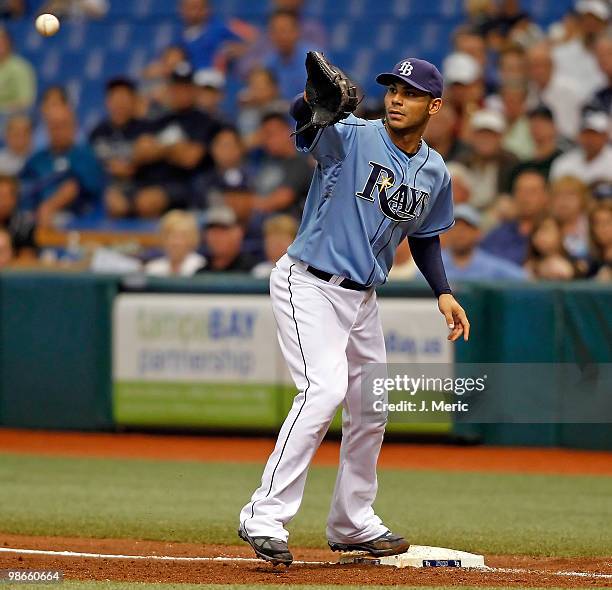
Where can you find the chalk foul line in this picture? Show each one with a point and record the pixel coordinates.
(486, 569)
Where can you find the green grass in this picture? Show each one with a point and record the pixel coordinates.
(73, 585)
(199, 502)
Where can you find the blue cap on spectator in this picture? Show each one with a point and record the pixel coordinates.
(467, 213)
(417, 73)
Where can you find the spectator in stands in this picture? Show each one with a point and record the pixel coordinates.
(463, 182)
(591, 161)
(286, 56)
(174, 152)
(19, 224)
(155, 78)
(510, 239)
(17, 145)
(517, 138)
(467, 39)
(7, 254)
(224, 237)
(229, 176)
(547, 257)
(440, 135)
(77, 8)
(464, 260)
(210, 84)
(259, 97)
(279, 231)
(313, 32)
(600, 224)
(464, 88)
(603, 52)
(491, 166)
(560, 94)
(12, 8)
(479, 12)
(180, 237)
(113, 142)
(283, 177)
(205, 35)
(555, 268)
(575, 58)
(565, 29)
(570, 204)
(523, 31)
(512, 66)
(17, 78)
(53, 98)
(64, 177)
(546, 141)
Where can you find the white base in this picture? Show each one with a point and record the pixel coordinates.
(419, 556)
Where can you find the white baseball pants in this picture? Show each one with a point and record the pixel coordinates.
(326, 333)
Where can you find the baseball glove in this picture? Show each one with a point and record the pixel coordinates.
(330, 93)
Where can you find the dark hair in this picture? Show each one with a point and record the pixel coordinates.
(530, 170)
(120, 82)
(4, 31)
(292, 14)
(227, 129)
(275, 115)
(533, 254)
(542, 111)
(266, 72)
(595, 249)
(465, 30)
(12, 180)
(55, 88)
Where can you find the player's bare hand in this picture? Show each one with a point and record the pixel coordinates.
(456, 318)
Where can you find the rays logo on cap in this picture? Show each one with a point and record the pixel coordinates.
(405, 68)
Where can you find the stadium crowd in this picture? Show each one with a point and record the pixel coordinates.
(525, 131)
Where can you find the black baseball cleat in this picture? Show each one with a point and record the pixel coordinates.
(270, 549)
(386, 544)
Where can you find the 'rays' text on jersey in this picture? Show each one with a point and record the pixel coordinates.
(402, 204)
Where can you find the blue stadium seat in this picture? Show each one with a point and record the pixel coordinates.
(365, 37)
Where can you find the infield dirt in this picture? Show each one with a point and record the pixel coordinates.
(528, 571)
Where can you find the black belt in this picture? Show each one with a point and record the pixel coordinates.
(326, 276)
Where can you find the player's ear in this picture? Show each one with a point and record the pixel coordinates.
(435, 105)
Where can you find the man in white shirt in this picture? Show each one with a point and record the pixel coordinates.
(575, 59)
(591, 161)
(561, 95)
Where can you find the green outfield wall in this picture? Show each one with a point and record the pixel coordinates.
(80, 351)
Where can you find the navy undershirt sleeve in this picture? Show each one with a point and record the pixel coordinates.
(428, 258)
(301, 112)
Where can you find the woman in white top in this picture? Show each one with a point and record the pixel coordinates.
(180, 237)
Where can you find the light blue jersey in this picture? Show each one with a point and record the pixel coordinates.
(366, 196)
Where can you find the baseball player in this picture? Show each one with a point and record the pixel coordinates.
(376, 183)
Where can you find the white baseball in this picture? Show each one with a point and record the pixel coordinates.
(47, 25)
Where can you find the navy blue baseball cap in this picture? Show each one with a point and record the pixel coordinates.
(417, 73)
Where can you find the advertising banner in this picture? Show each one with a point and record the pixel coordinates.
(214, 361)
